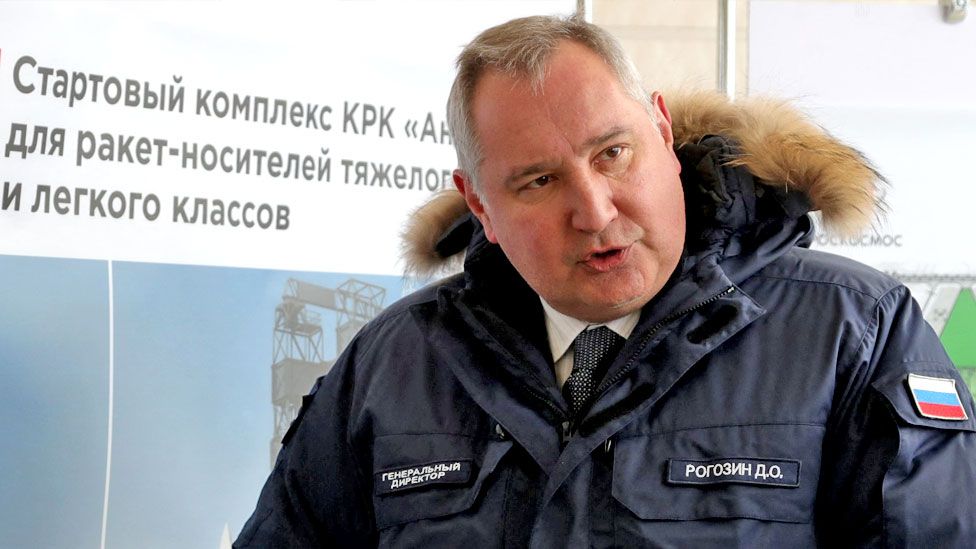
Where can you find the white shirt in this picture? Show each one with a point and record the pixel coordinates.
(563, 329)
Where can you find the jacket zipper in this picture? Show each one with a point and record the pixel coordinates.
(565, 424)
(569, 425)
(607, 383)
(549, 404)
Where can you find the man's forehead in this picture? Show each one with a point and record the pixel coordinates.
(591, 105)
(532, 79)
(565, 86)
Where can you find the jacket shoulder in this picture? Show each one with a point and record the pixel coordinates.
(803, 265)
(399, 310)
(391, 335)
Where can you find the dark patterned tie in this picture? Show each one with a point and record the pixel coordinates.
(593, 350)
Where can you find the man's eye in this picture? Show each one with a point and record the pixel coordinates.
(539, 182)
(613, 152)
(614, 159)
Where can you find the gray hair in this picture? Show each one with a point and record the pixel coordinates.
(521, 48)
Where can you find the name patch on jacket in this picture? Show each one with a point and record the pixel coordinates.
(418, 476)
(766, 472)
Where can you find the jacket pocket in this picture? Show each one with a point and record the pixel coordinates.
(763, 472)
(427, 476)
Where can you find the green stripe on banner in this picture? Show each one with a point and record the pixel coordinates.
(959, 336)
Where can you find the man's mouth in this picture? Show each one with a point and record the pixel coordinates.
(605, 260)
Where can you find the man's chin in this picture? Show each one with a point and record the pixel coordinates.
(603, 310)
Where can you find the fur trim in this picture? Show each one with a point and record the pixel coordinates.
(783, 147)
(425, 226)
(779, 144)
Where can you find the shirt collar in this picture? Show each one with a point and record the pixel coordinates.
(563, 329)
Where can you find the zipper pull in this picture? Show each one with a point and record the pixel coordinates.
(567, 427)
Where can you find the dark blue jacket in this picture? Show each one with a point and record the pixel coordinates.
(762, 401)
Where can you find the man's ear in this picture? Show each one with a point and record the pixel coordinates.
(663, 118)
(466, 187)
(664, 126)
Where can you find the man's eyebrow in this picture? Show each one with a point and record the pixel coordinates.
(612, 133)
(539, 167)
(519, 173)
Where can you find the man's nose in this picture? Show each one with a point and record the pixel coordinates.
(593, 206)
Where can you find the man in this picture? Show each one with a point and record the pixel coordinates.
(640, 351)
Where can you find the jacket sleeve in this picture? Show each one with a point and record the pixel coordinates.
(316, 496)
(892, 477)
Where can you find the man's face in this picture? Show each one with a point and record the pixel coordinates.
(581, 186)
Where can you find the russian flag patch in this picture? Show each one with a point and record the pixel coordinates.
(936, 397)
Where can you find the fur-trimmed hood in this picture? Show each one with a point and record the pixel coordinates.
(779, 146)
